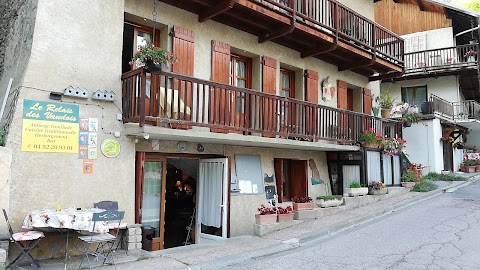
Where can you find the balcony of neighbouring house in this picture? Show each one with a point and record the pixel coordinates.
(467, 112)
(176, 107)
(324, 29)
(458, 60)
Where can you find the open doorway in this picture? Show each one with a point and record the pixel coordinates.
(180, 200)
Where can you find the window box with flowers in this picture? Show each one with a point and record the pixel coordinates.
(393, 146)
(356, 189)
(285, 214)
(266, 215)
(152, 57)
(302, 203)
(329, 201)
(470, 56)
(370, 138)
(377, 188)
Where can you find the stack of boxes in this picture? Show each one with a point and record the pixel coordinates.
(133, 237)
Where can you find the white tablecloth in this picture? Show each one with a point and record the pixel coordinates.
(70, 218)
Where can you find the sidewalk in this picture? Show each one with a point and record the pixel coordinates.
(220, 254)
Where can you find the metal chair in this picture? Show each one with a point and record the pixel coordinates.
(104, 241)
(30, 237)
(106, 205)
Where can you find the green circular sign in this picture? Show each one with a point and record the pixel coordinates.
(110, 148)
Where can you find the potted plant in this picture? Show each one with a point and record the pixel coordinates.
(377, 188)
(370, 138)
(470, 55)
(329, 201)
(266, 215)
(393, 146)
(302, 203)
(469, 165)
(285, 214)
(410, 118)
(386, 102)
(152, 57)
(411, 176)
(356, 189)
(477, 165)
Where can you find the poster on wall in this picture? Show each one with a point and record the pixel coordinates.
(50, 127)
(87, 166)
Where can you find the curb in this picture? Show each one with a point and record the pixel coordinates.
(310, 238)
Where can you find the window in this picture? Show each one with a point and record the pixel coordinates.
(287, 89)
(414, 95)
(240, 76)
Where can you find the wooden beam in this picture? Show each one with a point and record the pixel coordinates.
(317, 51)
(385, 76)
(364, 64)
(218, 9)
(276, 34)
(420, 5)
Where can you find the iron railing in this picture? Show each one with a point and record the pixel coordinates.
(463, 110)
(178, 101)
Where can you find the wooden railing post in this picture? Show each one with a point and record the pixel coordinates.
(142, 93)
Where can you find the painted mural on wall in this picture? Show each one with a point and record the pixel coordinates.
(328, 90)
(50, 127)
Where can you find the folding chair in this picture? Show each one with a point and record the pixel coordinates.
(104, 241)
(106, 205)
(32, 237)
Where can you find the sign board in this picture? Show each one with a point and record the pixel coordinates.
(50, 127)
(110, 148)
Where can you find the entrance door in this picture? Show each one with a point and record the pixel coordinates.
(212, 200)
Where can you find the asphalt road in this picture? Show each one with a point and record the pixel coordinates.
(440, 233)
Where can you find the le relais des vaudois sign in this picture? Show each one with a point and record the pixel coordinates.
(50, 127)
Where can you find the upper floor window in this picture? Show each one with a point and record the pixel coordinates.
(240, 71)
(415, 95)
(287, 83)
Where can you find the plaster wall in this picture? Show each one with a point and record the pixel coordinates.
(364, 7)
(87, 55)
(5, 161)
(437, 38)
(243, 207)
(443, 87)
(424, 145)
(246, 43)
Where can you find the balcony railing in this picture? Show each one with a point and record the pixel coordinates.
(444, 59)
(176, 101)
(336, 19)
(464, 110)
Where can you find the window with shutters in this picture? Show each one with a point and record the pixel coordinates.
(240, 76)
(287, 85)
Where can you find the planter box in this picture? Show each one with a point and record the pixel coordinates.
(329, 203)
(381, 191)
(285, 217)
(354, 192)
(470, 169)
(265, 219)
(477, 168)
(408, 184)
(303, 206)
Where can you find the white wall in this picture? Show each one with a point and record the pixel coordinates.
(424, 145)
(443, 87)
(438, 38)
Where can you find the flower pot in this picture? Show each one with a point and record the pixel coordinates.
(386, 113)
(462, 167)
(152, 67)
(354, 192)
(470, 169)
(303, 206)
(265, 219)
(369, 145)
(285, 217)
(477, 168)
(407, 123)
(407, 184)
(381, 191)
(459, 146)
(329, 203)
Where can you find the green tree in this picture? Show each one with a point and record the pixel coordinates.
(468, 4)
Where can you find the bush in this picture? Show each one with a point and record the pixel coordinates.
(410, 176)
(424, 186)
(433, 176)
(329, 198)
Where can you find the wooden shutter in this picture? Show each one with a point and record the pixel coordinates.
(183, 49)
(367, 108)
(139, 173)
(269, 83)
(278, 166)
(342, 103)
(311, 95)
(219, 103)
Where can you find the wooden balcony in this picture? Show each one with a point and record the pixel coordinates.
(467, 110)
(174, 101)
(324, 29)
(456, 60)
